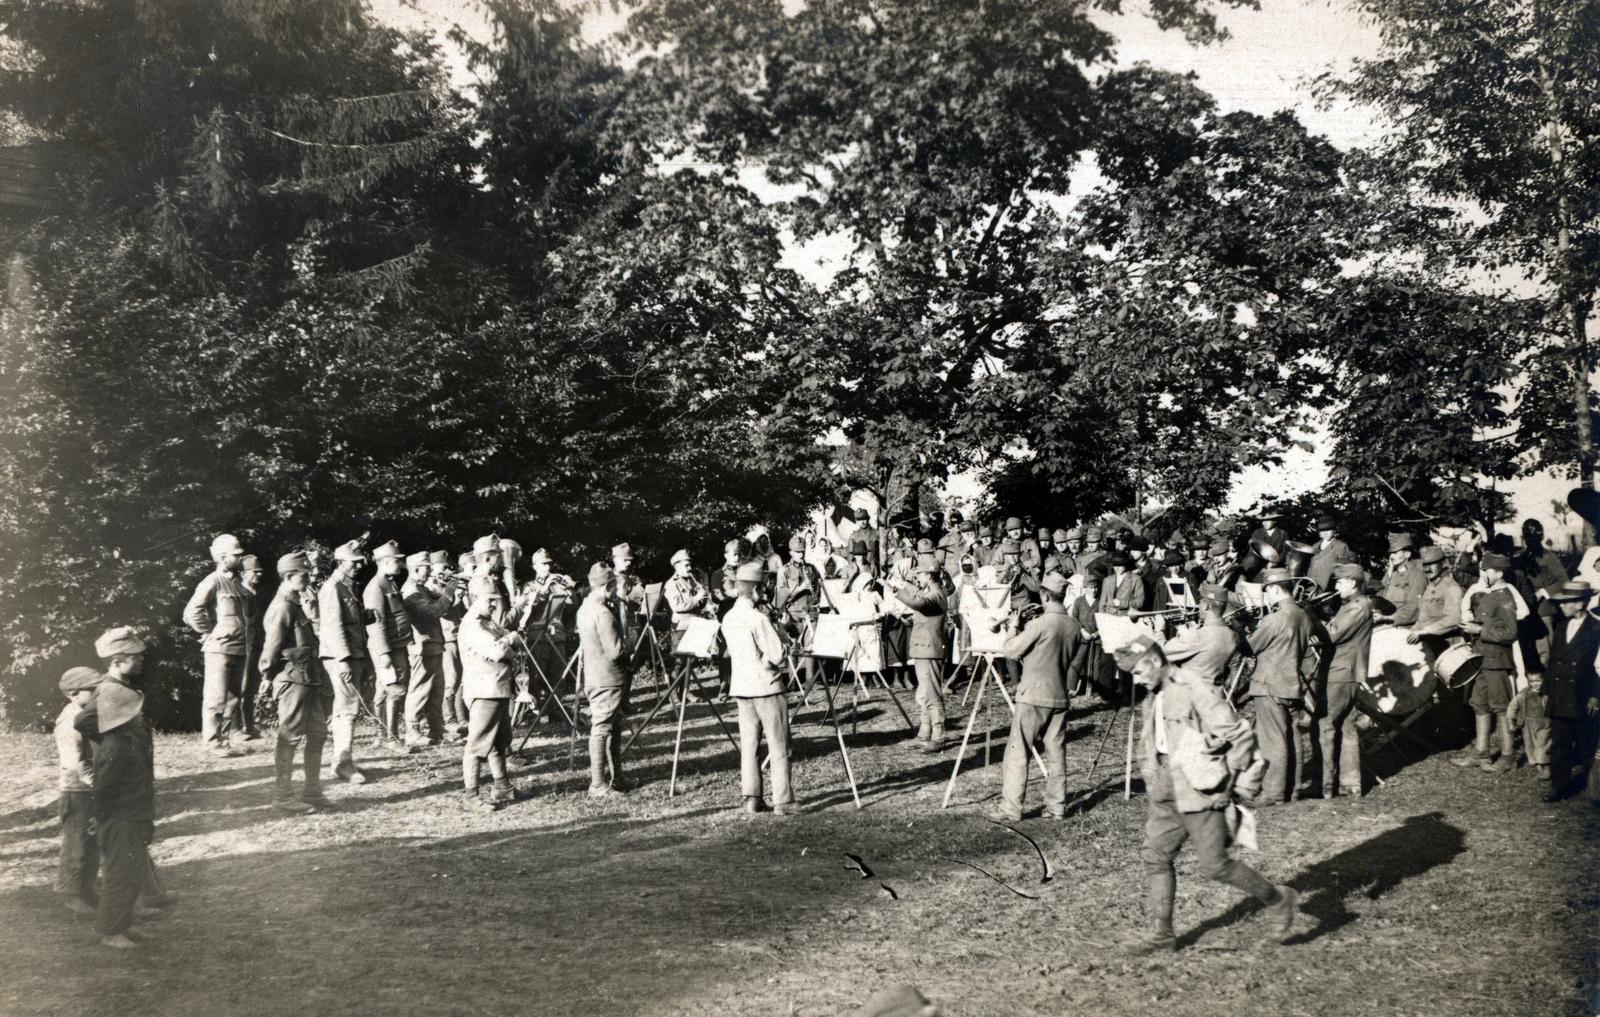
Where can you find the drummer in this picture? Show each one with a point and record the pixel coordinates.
(1439, 611)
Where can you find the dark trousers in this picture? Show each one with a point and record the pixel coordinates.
(1338, 738)
(1567, 744)
(124, 860)
(1276, 736)
(80, 850)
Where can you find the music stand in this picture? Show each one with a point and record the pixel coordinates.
(533, 706)
(988, 675)
(654, 599)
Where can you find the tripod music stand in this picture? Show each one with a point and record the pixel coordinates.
(986, 676)
(552, 694)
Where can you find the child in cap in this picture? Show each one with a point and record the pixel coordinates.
(80, 855)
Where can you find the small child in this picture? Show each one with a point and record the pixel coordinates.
(80, 854)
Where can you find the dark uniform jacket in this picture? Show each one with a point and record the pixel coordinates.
(289, 641)
(1569, 678)
(1046, 646)
(1496, 611)
(600, 637)
(1350, 631)
(388, 626)
(1283, 643)
(927, 624)
(124, 771)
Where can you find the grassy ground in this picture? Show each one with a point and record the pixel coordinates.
(1445, 891)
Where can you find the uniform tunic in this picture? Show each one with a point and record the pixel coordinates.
(1283, 642)
(1047, 647)
(605, 679)
(1496, 610)
(289, 662)
(218, 610)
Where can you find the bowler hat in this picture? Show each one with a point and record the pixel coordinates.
(1120, 559)
(1327, 522)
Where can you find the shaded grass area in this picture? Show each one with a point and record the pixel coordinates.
(1444, 891)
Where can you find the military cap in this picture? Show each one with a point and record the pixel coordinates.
(389, 550)
(1400, 542)
(464, 561)
(76, 679)
(750, 572)
(927, 563)
(924, 546)
(250, 563)
(601, 574)
(1044, 533)
(1094, 533)
(1220, 597)
(736, 546)
(226, 543)
(1055, 583)
(1350, 570)
(1327, 522)
(483, 545)
(1121, 558)
(483, 587)
(115, 704)
(119, 642)
(858, 545)
(1076, 533)
(1011, 545)
(1060, 536)
(1199, 542)
(797, 544)
(1276, 577)
(968, 526)
(1432, 555)
(350, 550)
(622, 551)
(1136, 649)
(1013, 523)
(289, 564)
(1575, 590)
(680, 556)
(439, 559)
(541, 557)
(863, 514)
(1219, 546)
(1137, 543)
(417, 560)
(1498, 562)
(507, 544)
(985, 531)
(1272, 512)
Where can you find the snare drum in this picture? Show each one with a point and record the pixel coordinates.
(1458, 665)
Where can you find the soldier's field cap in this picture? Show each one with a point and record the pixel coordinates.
(289, 564)
(1574, 590)
(1400, 541)
(483, 587)
(750, 572)
(1013, 523)
(541, 557)
(388, 550)
(1495, 561)
(1044, 533)
(924, 546)
(226, 543)
(115, 704)
(1094, 533)
(1055, 583)
(464, 561)
(600, 575)
(985, 530)
(1136, 649)
(1350, 570)
(250, 563)
(927, 563)
(439, 559)
(622, 551)
(1219, 546)
(680, 556)
(1432, 555)
(797, 544)
(1076, 533)
(483, 545)
(507, 544)
(1060, 536)
(1214, 594)
(1275, 577)
(118, 642)
(1010, 546)
(417, 560)
(76, 679)
(350, 550)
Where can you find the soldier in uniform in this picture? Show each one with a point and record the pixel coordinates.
(550, 592)
(951, 543)
(1060, 558)
(289, 662)
(1196, 755)
(1287, 644)
(1491, 613)
(798, 596)
(1209, 648)
(1350, 634)
(219, 611)
(605, 680)
(1331, 551)
(453, 707)
(686, 594)
(756, 652)
(342, 642)
(1404, 582)
(1093, 536)
(1439, 610)
(1029, 555)
(255, 608)
(628, 597)
(867, 534)
(927, 648)
(427, 601)
(984, 552)
(486, 678)
(1198, 569)
(721, 582)
(1569, 695)
(1047, 646)
(388, 642)
(1219, 567)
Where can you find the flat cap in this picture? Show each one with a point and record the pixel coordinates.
(680, 556)
(289, 564)
(1350, 570)
(386, 550)
(76, 679)
(117, 642)
(750, 572)
(350, 550)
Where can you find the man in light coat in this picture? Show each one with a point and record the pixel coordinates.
(755, 655)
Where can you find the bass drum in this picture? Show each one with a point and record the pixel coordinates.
(1457, 666)
(1399, 681)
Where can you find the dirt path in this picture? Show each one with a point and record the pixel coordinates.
(1444, 892)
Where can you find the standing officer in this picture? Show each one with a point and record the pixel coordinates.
(1350, 633)
(1046, 646)
(1197, 753)
(427, 601)
(605, 680)
(219, 612)
(388, 642)
(342, 642)
(1570, 695)
(1211, 647)
(756, 654)
(1287, 645)
(927, 648)
(289, 662)
(255, 609)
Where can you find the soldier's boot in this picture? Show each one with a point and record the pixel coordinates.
(935, 738)
(344, 738)
(283, 798)
(925, 729)
(614, 761)
(502, 792)
(598, 752)
(1281, 915)
(1162, 889)
(394, 722)
(311, 793)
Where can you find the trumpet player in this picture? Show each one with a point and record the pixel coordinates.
(427, 599)
(1210, 647)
